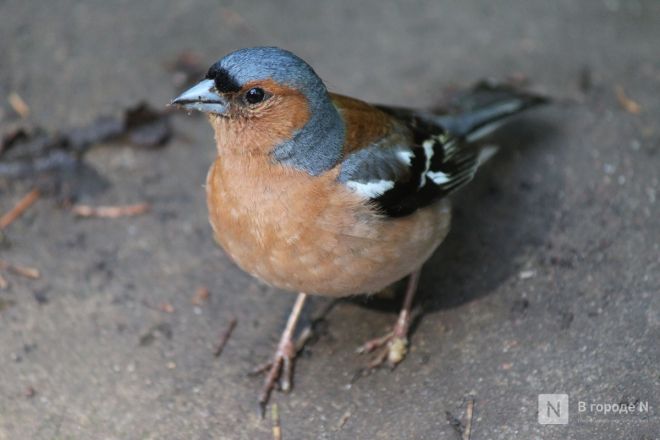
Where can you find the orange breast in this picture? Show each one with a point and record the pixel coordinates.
(311, 234)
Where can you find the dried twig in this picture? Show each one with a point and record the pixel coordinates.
(19, 105)
(25, 271)
(277, 428)
(3, 283)
(225, 337)
(18, 209)
(468, 419)
(628, 104)
(110, 211)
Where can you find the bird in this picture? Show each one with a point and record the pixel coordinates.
(323, 194)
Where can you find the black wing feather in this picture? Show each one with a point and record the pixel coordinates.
(429, 155)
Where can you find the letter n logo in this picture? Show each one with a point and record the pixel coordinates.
(553, 409)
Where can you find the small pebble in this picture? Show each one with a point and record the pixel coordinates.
(526, 274)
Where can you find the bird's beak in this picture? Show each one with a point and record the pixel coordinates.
(202, 97)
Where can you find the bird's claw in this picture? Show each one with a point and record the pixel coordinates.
(279, 372)
(392, 349)
(373, 344)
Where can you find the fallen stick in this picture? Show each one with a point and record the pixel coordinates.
(468, 419)
(18, 209)
(110, 211)
(25, 271)
(225, 337)
(628, 104)
(277, 428)
(19, 105)
(3, 283)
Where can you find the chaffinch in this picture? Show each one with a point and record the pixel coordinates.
(323, 194)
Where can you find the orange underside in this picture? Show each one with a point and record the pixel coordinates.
(311, 234)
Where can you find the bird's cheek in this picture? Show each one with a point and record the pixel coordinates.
(275, 129)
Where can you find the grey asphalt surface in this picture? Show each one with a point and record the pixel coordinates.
(548, 283)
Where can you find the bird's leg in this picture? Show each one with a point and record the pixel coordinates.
(394, 345)
(281, 367)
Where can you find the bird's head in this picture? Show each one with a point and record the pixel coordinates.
(264, 98)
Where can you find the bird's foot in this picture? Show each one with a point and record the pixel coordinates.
(391, 348)
(280, 369)
(283, 351)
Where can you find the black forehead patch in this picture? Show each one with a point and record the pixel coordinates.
(224, 82)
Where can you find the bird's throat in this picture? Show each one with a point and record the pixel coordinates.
(317, 147)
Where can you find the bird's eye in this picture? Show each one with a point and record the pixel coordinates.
(255, 95)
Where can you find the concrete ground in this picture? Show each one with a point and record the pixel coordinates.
(548, 283)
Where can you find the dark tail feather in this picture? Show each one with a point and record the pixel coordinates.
(481, 110)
